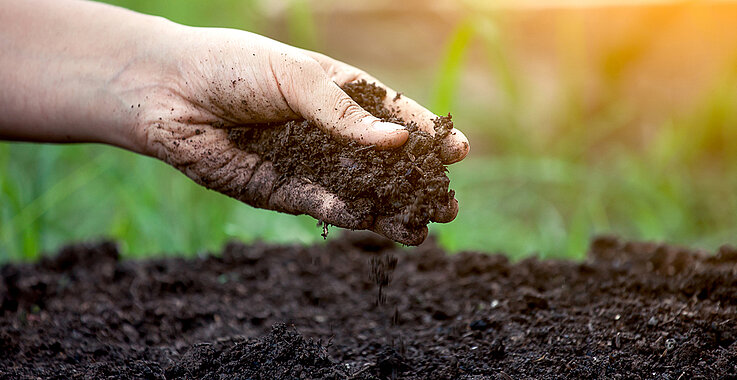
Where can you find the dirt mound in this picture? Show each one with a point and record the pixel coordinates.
(409, 183)
(281, 354)
(630, 311)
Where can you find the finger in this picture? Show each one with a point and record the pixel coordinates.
(210, 159)
(454, 147)
(206, 155)
(260, 185)
(257, 191)
(299, 196)
(446, 213)
(314, 96)
(394, 229)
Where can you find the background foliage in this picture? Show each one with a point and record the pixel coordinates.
(543, 177)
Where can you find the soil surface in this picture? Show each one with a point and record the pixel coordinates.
(630, 311)
(408, 183)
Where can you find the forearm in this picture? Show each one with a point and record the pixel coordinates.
(75, 71)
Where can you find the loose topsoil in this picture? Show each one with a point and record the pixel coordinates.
(630, 311)
(408, 183)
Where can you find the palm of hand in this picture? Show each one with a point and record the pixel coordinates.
(226, 78)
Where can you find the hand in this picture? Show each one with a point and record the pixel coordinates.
(171, 92)
(218, 78)
(222, 78)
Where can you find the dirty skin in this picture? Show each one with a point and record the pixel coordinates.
(406, 186)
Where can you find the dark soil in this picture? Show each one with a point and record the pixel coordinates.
(630, 311)
(409, 183)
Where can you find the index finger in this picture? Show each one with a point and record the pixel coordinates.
(455, 146)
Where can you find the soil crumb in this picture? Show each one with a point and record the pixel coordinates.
(409, 182)
(631, 310)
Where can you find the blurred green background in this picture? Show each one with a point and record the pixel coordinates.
(584, 118)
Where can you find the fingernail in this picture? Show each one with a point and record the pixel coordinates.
(387, 127)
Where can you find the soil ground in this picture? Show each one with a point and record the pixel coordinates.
(630, 311)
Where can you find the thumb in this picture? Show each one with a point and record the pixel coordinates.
(318, 99)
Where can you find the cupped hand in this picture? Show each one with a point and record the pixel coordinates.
(213, 79)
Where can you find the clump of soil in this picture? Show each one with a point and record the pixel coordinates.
(630, 311)
(408, 182)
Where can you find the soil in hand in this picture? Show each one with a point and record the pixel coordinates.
(630, 311)
(408, 183)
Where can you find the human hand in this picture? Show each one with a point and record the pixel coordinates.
(220, 78)
(171, 92)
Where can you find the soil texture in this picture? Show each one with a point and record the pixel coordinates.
(629, 311)
(408, 183)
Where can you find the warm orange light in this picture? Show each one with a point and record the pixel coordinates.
(542, 4)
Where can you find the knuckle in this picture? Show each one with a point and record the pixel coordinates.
(229, 172)
(346, 111)
(260, 186)
(161, 143)
(214, 172)
(302, 66)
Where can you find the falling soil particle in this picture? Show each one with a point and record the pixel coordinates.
(409, 182)
(630, 311)
(382, 268)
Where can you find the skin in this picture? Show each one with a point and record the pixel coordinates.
(78, 71)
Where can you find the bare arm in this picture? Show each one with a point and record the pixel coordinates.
(67, 70)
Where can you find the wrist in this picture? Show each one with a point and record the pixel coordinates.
(76, 81)
(145, 80)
